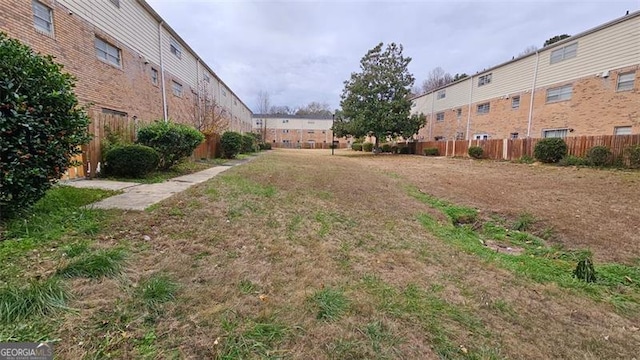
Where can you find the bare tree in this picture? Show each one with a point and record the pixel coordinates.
(264, 105)
(436, 78)
(281, 110)
(528, 50)
(315, 108)
(209, 116)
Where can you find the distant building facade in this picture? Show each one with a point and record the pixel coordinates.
(127, 60)
(294, 131)
(587, 84)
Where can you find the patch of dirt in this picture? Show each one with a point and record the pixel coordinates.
(581, 207)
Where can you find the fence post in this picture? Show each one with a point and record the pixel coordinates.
(505, 145)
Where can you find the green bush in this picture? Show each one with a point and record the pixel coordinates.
(430, 151)
(550, 150)
(633, 156)
(248, 143)
(231, 143)
(264, 146)
(367, 147)
(131, 161)
(475, 152)
(41, 125)
(386, 148)
(571, 160)
(599, 155)
(394, 149)
(173, 142)
(356, 147)
(404, 150)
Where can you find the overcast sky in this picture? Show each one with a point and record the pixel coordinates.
(303, 51)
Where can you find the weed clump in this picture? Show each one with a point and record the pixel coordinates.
(585, 270)
(475, 152)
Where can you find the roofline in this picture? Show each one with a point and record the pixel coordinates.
(548, 47)
(287, 116)
(173, 33)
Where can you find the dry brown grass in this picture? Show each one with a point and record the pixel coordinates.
(251, 249)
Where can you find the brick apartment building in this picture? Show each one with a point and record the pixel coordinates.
(128, 62)
(587, 84)
(295, 131)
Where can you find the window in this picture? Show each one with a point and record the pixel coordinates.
(440, 116)
(622, 130)
(286, 141)
(625, 81)
(310, 132)
(459, 112)
(107, 52)
(258, 122)
(311, 122)
(555, 133)
(116, 3)
(176, 88)
(513, 135)
(459, 136)
(114, 112)
(441, 94)
(285, 131)
(175, 48)
(480, 136)
(564, 53)
(484, 79)
(154, 76)
(515, 102)
(484, 108)
(224, 92)
(285, 121)
(206, 78)
(42, 17)
(559, 93)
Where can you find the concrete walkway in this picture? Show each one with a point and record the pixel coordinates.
(140, 196)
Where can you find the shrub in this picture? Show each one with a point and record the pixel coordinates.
(585, 271)
(475, 152)
(385, 148)
(404, 150)
(367, 147)
(131, 161)
(599, 155)
(550, 150)
(41, 125)
(633, 156)
(173, 142)
(231, 143)
(430, 151)
(356, 146)
(264, 146)
(394, 149)
(571, 160)
(248, 143)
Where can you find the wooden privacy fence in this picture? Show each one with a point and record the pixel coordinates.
(209, 149)
(280, 145)
(513, 149)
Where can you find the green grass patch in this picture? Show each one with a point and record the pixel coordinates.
(329, 220)
(457, 214)
(618, 284)
(35, 299)
(158, 176)
(253, 339)
(157, 289)
(247, 287)
(96, 264)
(241, 186)
(330, 303)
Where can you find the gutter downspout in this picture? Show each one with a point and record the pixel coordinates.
(165, 112)
(468, 136)
(533, 91)
(199, 106)
(433, 98)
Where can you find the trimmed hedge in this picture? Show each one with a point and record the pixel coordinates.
(404, 150)
(173, 142)
(550, 150)
(356, 147)
(264, 146)
(386, 148)
(476, 152)
(131, 161)
(41, 125)
(367, 147)
(231, 144)
(599, 155)
(430, 151)
(633, 156)
(248, 143)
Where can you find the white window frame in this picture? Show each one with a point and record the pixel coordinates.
(459, 113)
(224, 92)
(560, 93)
(175, 48)
(206, 78)
(480, 136)
(626, 84)
(441, 94)
(617, 129)
(440, 116)
(154, 76)
(108, 52)
(480, 108)
(38, 10)
(176, 88)
(514, 135)
(515, 102)
(285, 121)
(561, 132)
(564, 53)
(484, 79)
(285, 131)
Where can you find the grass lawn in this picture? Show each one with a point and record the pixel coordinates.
(300, 254)
(183, 168)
